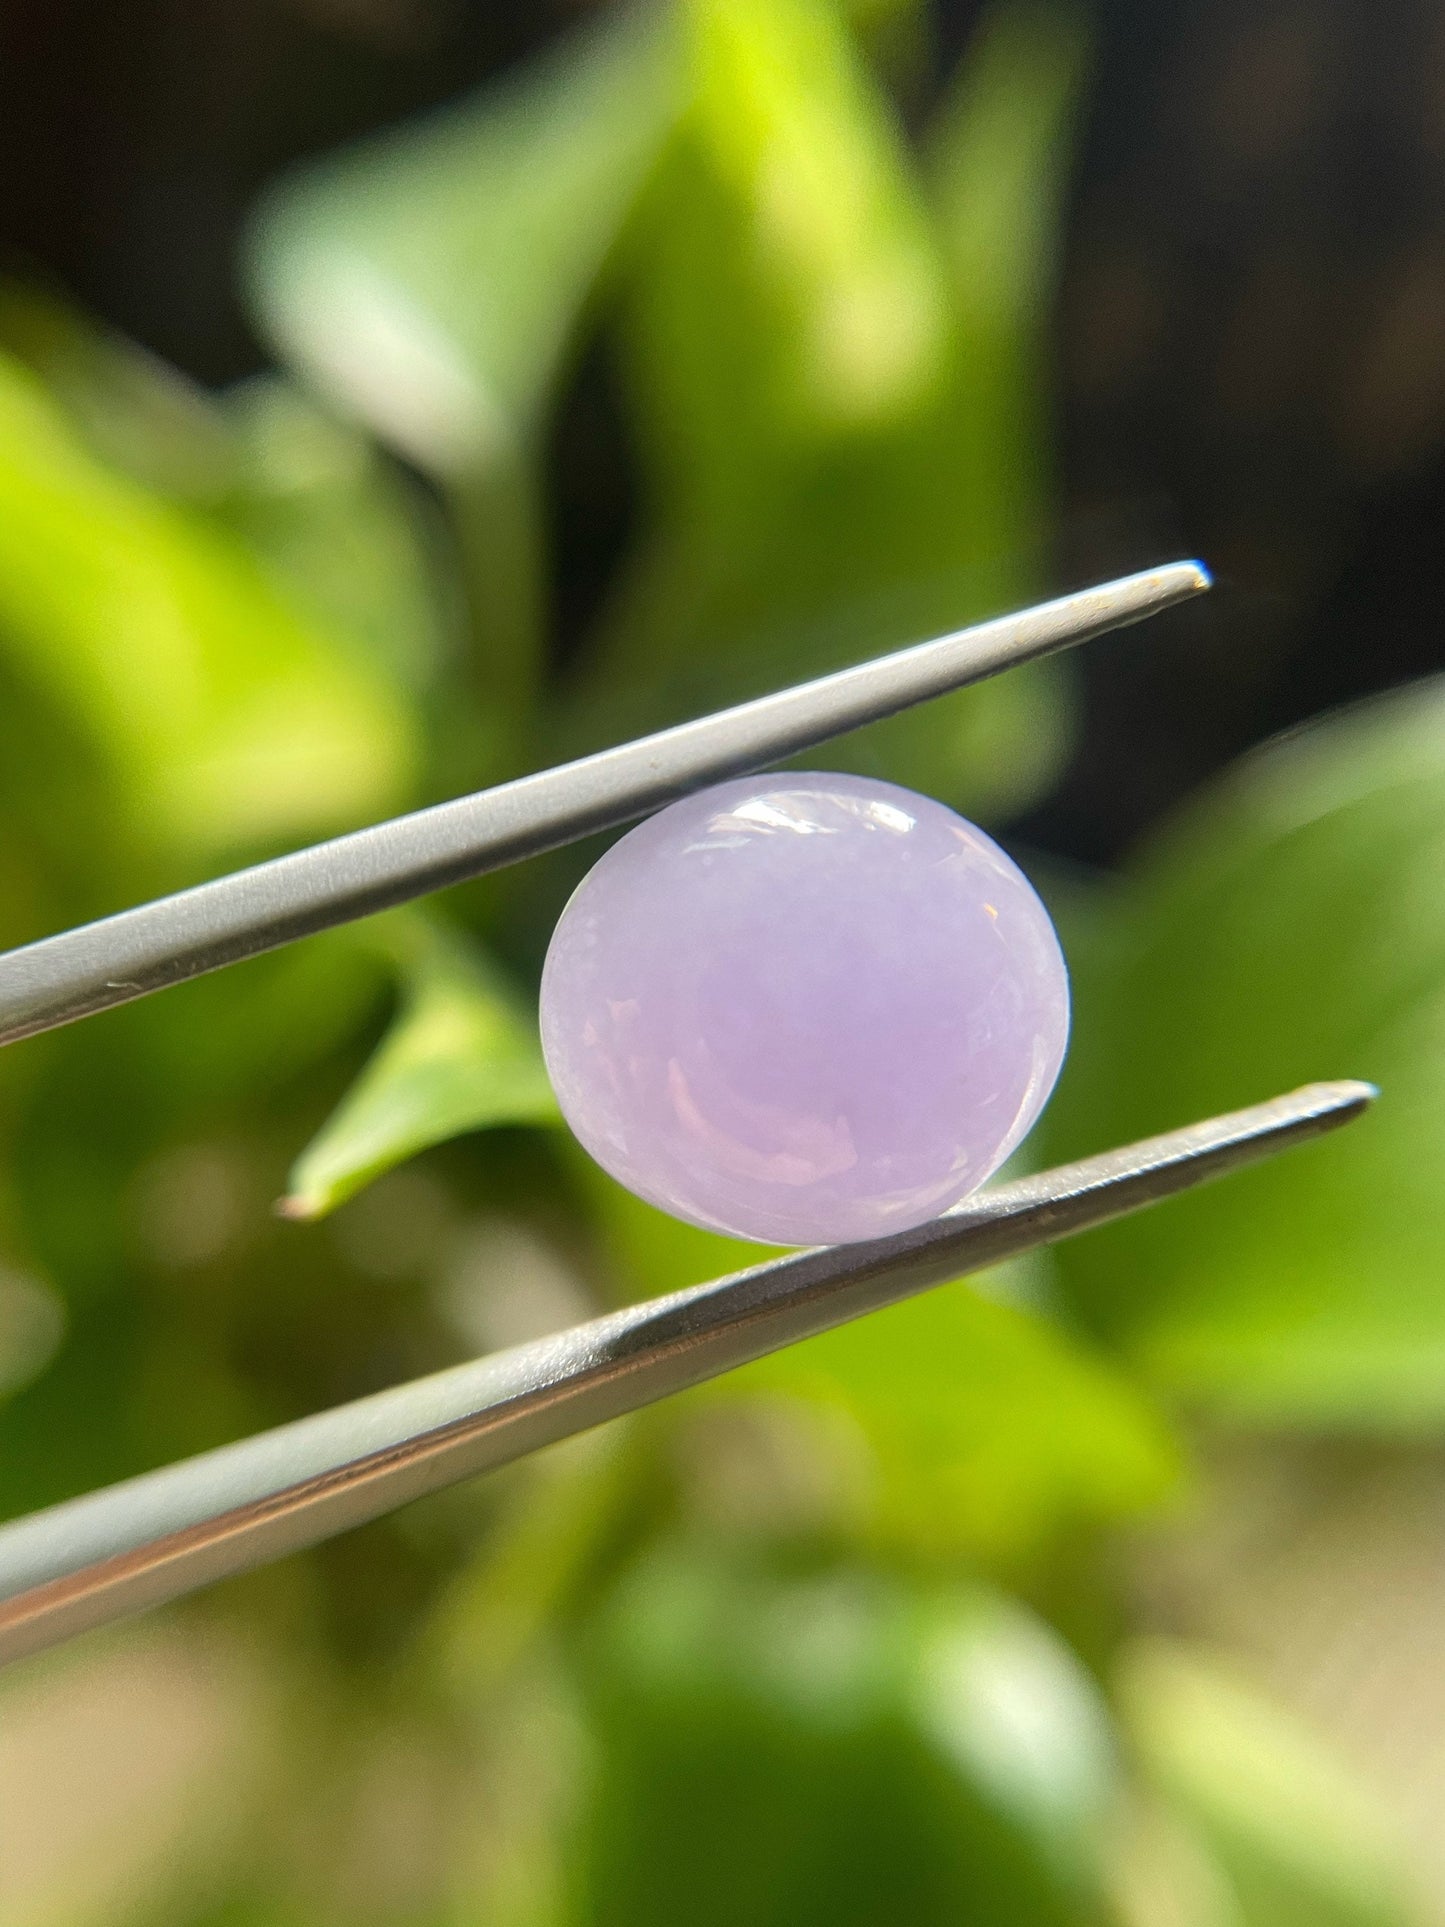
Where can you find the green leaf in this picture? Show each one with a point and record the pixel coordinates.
(462, 1056)
(1290, 926)
(224, 715)
(430, 283)
(992, 1432)
(837, 363)
(32, 1323)
(844, 315)
(836, 1750)
(335, 522)
(557, 1514)
(430, 278)
(1297, 1841)
(134, 411)
(340, 527)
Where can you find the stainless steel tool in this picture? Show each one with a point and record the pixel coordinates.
(134, 1545)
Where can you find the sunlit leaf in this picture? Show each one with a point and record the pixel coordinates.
(346, 534)
(1297, 1839)
(225, 716)
(846, 317)
(430, 278)
(837, 1750)
(559, 1510)
(430, 281)
(309, 494)
(991, 1429)
(135, 411)
(462, 1055)
(838, 376)
(1290, 926)
(32, 1321)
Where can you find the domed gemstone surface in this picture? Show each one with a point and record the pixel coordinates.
(804, 1009)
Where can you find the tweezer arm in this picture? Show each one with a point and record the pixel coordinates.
(134, 1545)
(81, 971)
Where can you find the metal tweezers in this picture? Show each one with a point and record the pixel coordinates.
(134, 1545)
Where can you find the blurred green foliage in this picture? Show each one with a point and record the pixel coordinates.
(842, 1638)
(462, 1055)
(1294, 1836)
(926, 1748)
(1292, 919)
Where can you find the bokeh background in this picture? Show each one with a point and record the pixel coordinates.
(399, 394)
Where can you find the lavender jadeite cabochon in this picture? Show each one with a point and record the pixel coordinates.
(804, 1009)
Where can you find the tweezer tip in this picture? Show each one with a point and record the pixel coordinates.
(1152, 590)
(1184, 578)
(1325, 1104)
(1347, 1094)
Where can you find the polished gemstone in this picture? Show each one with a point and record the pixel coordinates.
(805, 1009)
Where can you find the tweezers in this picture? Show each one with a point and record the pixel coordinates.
(98, 1558)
